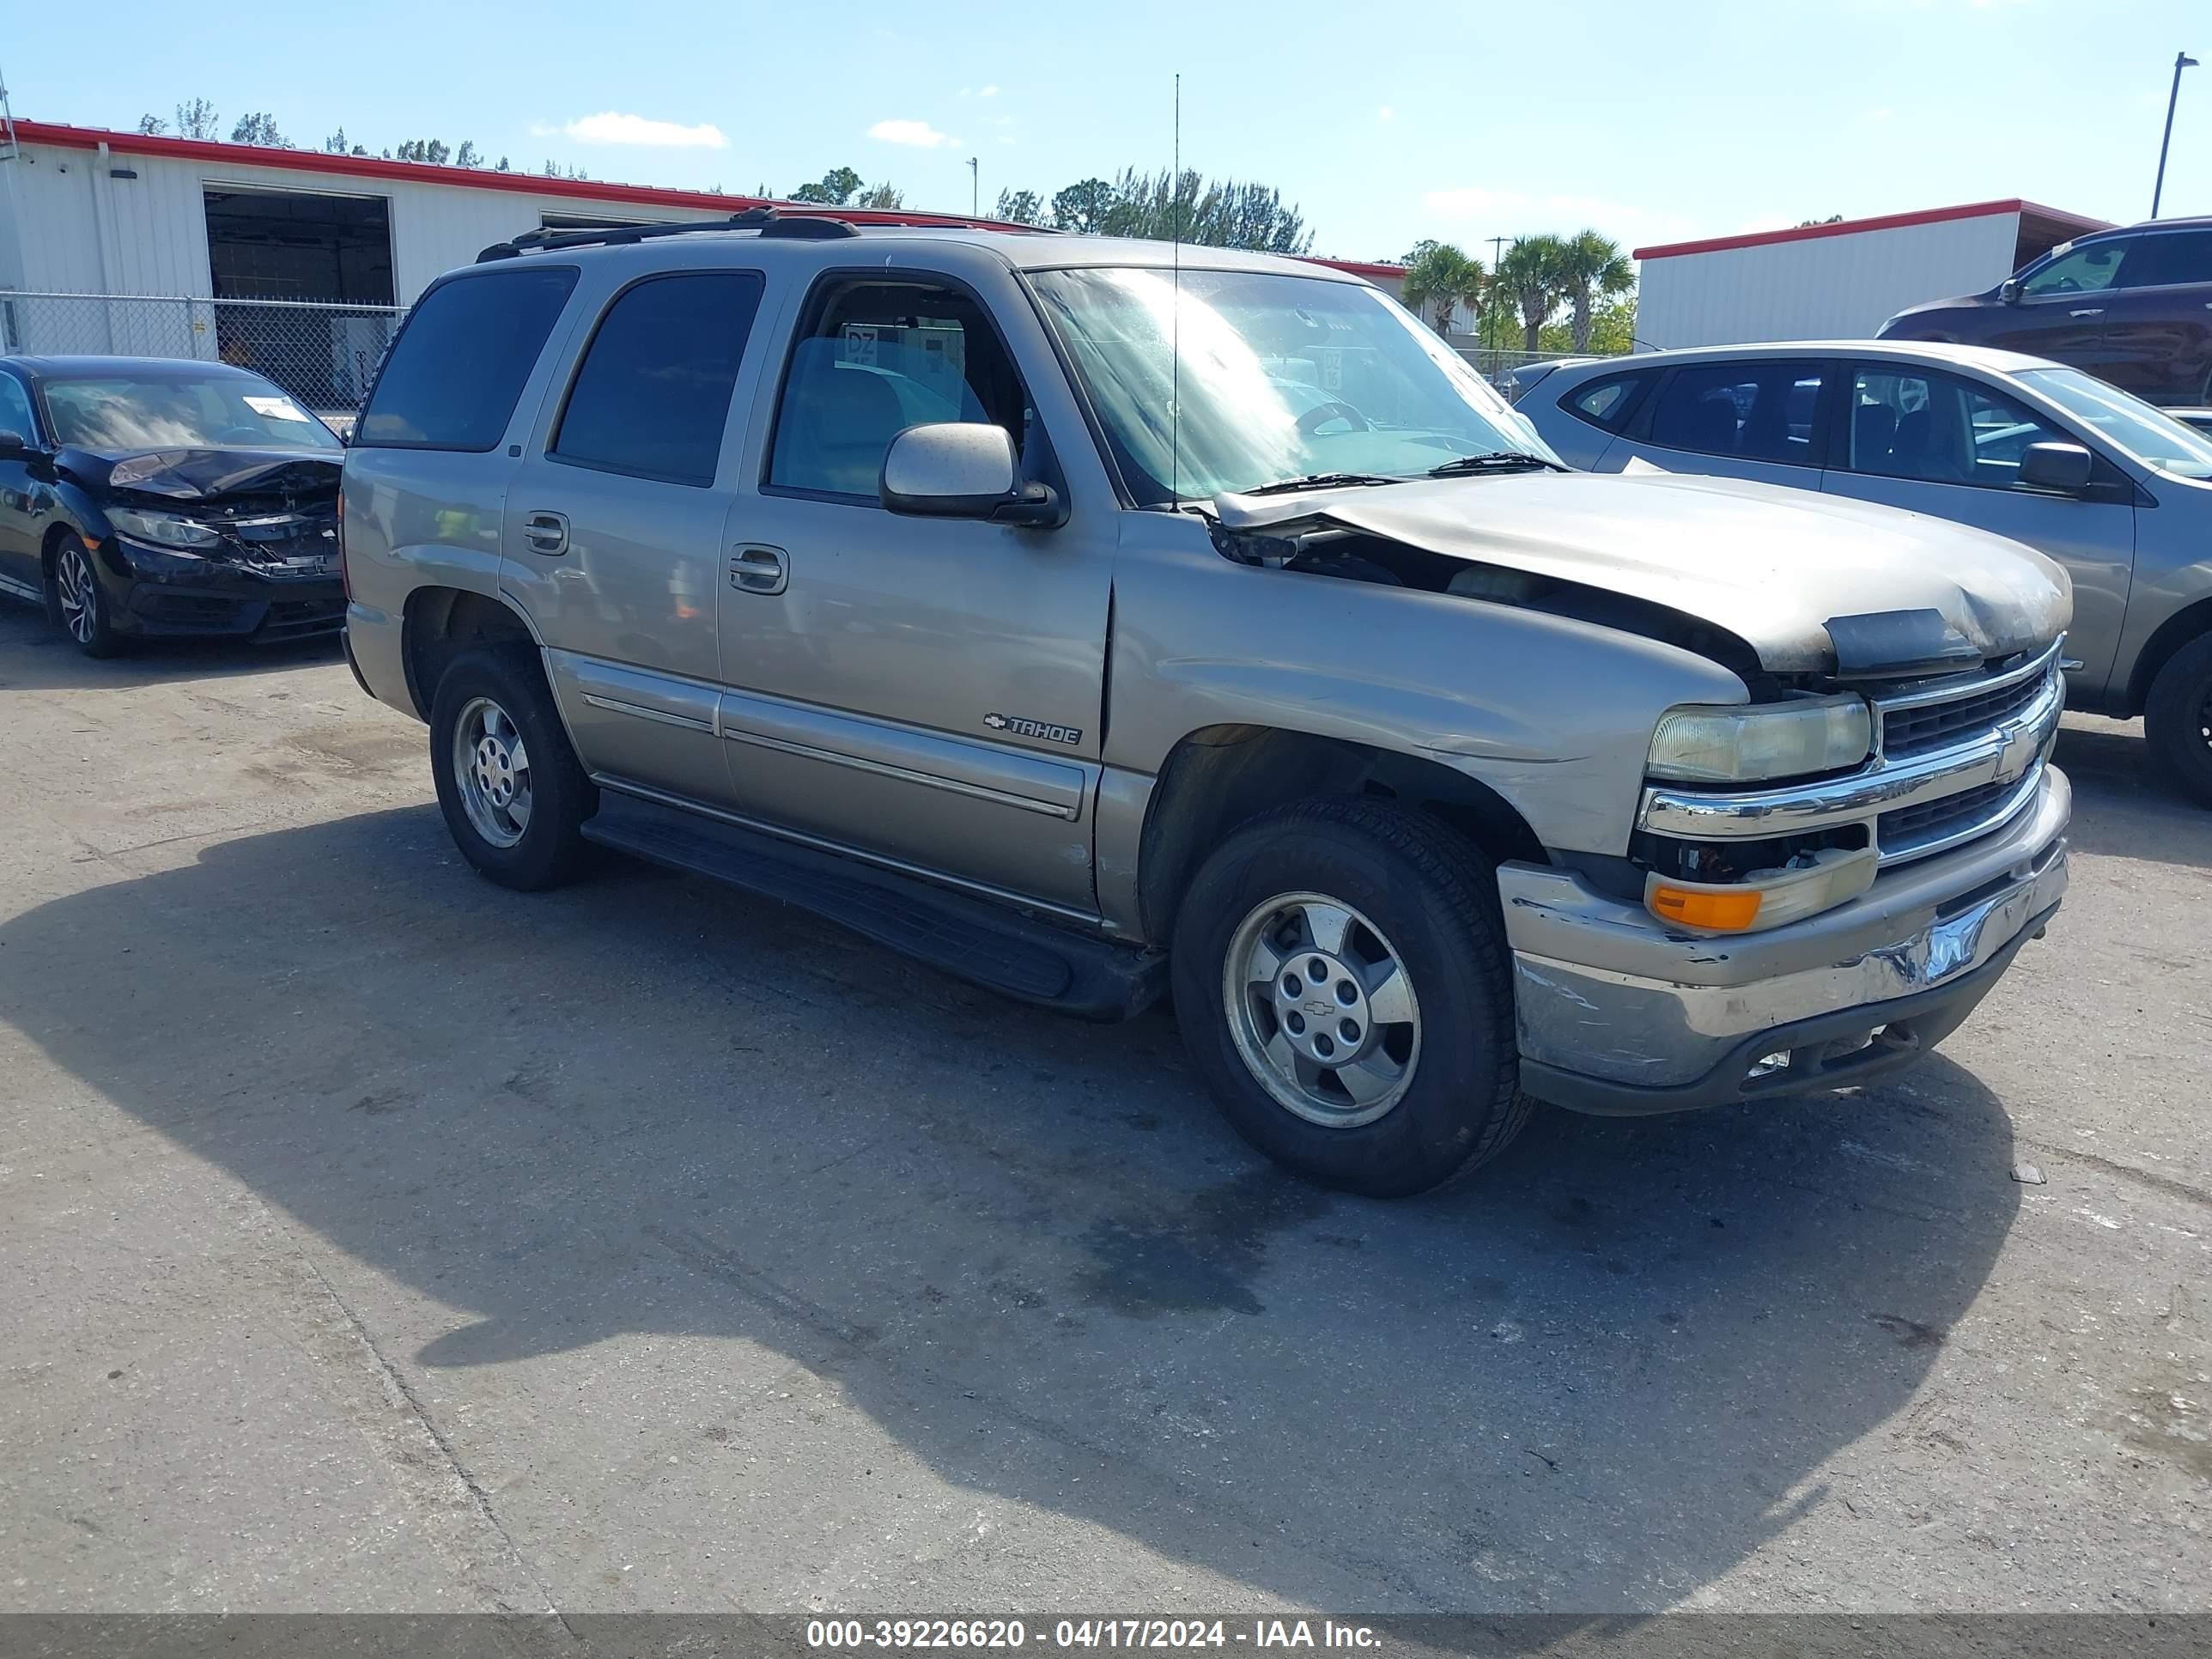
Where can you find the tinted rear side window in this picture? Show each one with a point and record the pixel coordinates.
(458, 366)
(1608, 404)
(1755, 411)
(653, 391)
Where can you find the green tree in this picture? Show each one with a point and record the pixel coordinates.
(1591, 267)
(1019, 207)
(198, 119)
(1439, 279)
(432, 151)
(260, 128)
(1531, 275)
(835, 188)
(879, 195)
(337, 144)
(1222, 213)
(1082, 207)
(152, 125)
(468, 155)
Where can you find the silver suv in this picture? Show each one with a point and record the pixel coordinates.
(1096, 628)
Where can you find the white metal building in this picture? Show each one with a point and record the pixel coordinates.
(1840, 281)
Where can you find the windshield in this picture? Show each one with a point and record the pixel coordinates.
(2150, 434)
(1277, 378)
(216, 411)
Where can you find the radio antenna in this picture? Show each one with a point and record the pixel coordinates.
(1175, 315)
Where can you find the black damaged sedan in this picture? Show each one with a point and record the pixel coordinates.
(142, 496)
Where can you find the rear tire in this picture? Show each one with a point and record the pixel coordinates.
(1271, 986)
(2177, 719)
(513, 792)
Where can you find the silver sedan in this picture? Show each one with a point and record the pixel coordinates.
(2117, 492)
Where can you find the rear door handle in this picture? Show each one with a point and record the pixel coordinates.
(754, 569)
(2095, 311)
(546, 533)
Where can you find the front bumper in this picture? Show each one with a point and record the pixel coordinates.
(215, 598)
(1619, 1014)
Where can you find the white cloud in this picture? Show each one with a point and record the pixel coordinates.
(918, 134)
(986, 92)
(609, 127)
(1386, 113)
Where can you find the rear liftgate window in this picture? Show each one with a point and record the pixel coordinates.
(460, 363)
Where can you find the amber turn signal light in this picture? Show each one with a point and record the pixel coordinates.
(1723, 912)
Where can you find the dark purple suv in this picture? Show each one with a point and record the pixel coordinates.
(2132, 305)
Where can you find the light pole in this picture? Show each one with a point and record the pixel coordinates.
(2182, 60)
(976, 187)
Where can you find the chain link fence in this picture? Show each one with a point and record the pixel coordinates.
(326, 355)
(1497, 365)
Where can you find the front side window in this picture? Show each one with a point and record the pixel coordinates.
(1937, 428)
(882, 356)
(1751, 411)
(16, 408)
(2090, 269)
(1230, 379)
(652, 394)
(458, 369)
(184, 410)
(2151, 435)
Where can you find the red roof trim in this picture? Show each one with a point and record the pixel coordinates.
(525, 183)
(1372, 272)
(1885, 221)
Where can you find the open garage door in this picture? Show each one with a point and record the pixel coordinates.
(323, 265)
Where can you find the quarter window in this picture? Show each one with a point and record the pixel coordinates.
(460, 364)
(1607, 404)
(1752, 411)
(652, 394)
(881, 356)
(1939, 429)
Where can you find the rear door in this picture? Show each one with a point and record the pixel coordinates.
(614, 531)
(1950, 446)
(1761, 418)
(2157, 339)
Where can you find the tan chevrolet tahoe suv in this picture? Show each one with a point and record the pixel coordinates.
(1098, 630)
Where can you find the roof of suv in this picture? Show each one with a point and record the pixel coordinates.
(1988, 358)
(1022, 250)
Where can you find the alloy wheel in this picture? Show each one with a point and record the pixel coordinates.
(80, 599)
(1322, 1009)
(491, 767)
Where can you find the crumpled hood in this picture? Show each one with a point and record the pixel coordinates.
(195, 475)
(1771, 565)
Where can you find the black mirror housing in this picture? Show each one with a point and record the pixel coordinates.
(2009, 291)
(2064, 468)
(13, 446)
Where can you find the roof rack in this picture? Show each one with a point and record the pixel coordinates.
(805, 228)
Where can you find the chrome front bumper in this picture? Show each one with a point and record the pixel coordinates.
(1618, 1013)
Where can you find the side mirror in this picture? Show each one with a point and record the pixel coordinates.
(2009, 291)
(962, 470)
(2061, 467)
(13, 446)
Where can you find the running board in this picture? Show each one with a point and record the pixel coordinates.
(987, 945)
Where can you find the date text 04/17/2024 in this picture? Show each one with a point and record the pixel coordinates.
(1168, 1634)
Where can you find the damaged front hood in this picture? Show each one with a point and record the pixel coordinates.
(200, 475)
(1770, 565)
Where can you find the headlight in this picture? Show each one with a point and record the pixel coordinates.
(1767, 740)
(163, 529)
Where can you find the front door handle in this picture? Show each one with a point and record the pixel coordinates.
(546, 533)
(757, 569)
(2093, 311)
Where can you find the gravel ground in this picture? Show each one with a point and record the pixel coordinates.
(375, 1239)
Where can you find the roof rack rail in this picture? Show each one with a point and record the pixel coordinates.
(765, 220)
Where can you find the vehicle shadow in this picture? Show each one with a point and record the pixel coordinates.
(39, 658)
(2122, 807)
(1594, 1379)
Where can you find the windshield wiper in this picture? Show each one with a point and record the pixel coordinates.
(1319, 481)
(1495, 460)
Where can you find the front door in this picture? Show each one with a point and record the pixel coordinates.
(928, 691)
(1950, 446)
(615, 530)
(22, 522)
(2059, 310)
(1757, 417)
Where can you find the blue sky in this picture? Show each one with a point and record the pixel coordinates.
(1654, 122)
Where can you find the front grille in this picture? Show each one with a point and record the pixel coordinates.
(1930, 726)
(1911, 828)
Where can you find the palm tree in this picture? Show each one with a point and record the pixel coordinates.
(1592, 265)
(1532, 274)
(1439, 279)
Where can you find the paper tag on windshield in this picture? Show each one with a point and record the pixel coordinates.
(1637, 464)
(277, 408)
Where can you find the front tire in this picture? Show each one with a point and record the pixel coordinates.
(78, 604)
(513, 794)
(2177, 719)
(1343, 984)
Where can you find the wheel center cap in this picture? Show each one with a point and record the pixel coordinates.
(1321, 1006)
